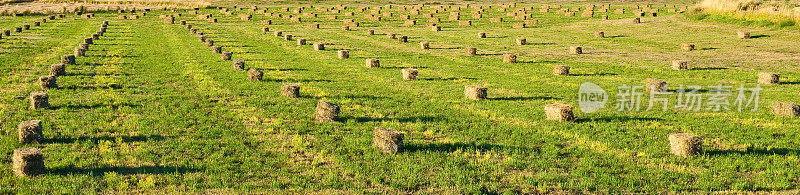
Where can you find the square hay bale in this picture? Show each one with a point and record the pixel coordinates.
(373, 63)
(410, 23)
(531, 22)
(6, 32)
(653, 14)
(434, 20)
(266, 22)
(68, 59)
(209, 43)
(475, 92)
(520, 17)
(391, 36)
(265, 29)
(278, 33)
(254, 75)
(312, 26)
(387, 140)
(768, 78)
(522, 41)
(509, 58)
(40, 100)
(80, 52)
(58, 70)
(27, 162)
(561, 70)
(344, 54)
(559, 112)
(481, 35)
(518, 25)
(599, 34)
(637, 20)
(319, 46)
(424, 45)
(36, 23)
(436, 28)
(289, 90)
(743, 34)
(238, 64)
(685, 145)
(410, 74)
(471, 51)
(496, 20)
(680, 65)
(402, 39)
(619, 11)
(477, 16)
(604, 17)
(287, 37)
(301, 41)
(370, 32)
(465, 23)
(655, 85)
(587, 14)
(30, 131)
(326, 112)
(569, 14)
(687, 46)
(212, 20)
(226, 55)
(576, 50)
(48, 82)
(786, 109)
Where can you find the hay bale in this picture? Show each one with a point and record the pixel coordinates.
(637, 20)
(600, 34)
(58, 69)
(265, 29)
(254, 74)
(424, 45)
(278, 33)
(80, 52)
(391, 36)
(561, 70)
(216, 49)
(465, 23)
(27, 162)
(768, 78)
(410, 23)
(6, 32)
(475, 92)
(576, 50)
(410, 74)
(26, 27)
(48, 82)
(509, 58)
(471, 51)
(40, 100)
(30, 131)
(88, 41)
(387, 140)
(559, 112)
(326, 112)
(209, 43)
(436, 28)
(301, 41)
(183, 22)
(290, 90)
(287, 37)
(226, 55)
(370, 32)
(36, 23)
(685, 145)
(518, 25)
(313, 26)
(201, 38)
(687, 46)
(680, 65)
(238, 64)
(96, 36)
(522, 41)
(786, 109)
(604, 17)
(743, 34)
(344, 54)
(655, 85)
(345, 28)
(481, 35)
(319, 46)
(402, 39)
(68, 59)
(373, 63)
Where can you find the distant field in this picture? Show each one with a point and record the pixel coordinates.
(150, 109)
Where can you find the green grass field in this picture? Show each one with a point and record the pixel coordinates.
(151, 109)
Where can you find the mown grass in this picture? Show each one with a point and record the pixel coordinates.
(152, 109)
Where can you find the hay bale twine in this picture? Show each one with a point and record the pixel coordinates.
(637, 20)
(600, 34)
(655, 85)
(373, 63)
(319, 46)
(768, 78)
(387, 140)
(743, 34)
(289, 90)
(238, 64)
(226, 55)
(561, 70)
(481, 35)
(576, 50)
(40, 100)
(326, 112)
(58, 69)
(680, 65)
(80, 52)
(559, 112)
(30, 131)
(68, 59)
(344, 54)
(475, 92)
(687, 46)
(48, 82)
(410, 74)
(216, 49)
(287, 37)
(786, 109)
(254, 75)
(471, 51)
(424, 45)
(27, 162)
(509, 58)
(402, 39)
(685, 145)
(522, 41)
